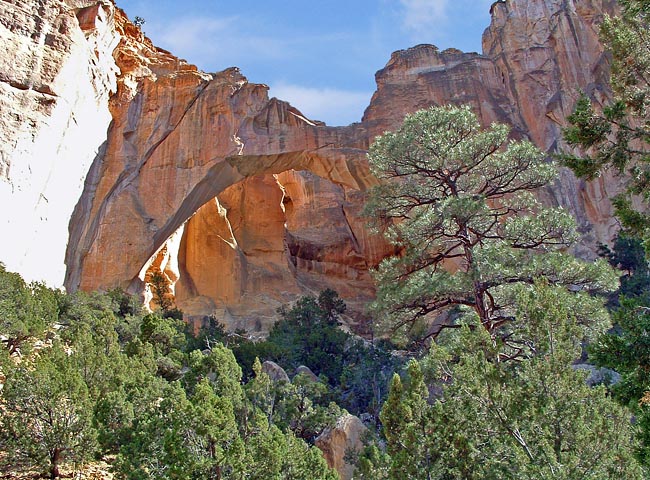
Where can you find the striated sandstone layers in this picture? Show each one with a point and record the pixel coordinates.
(242, 201)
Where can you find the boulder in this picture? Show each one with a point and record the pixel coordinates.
(336, 442)
(307, 373)
(599, 375)
(275, 372)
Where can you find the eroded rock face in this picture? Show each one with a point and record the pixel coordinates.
(547, 52)
(423, 76)
(239, 199)
(267, 239)
(57, 73)
(213, 155)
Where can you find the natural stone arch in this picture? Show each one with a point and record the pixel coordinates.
(97, 268)
(242, 272)
(347, 167)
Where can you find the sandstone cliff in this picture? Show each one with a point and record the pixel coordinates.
(57, 73)
(242, 201)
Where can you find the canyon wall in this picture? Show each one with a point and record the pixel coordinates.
(242, 201)
(57, 73)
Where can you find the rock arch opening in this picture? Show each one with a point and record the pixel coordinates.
(258, 231)
(264, 241)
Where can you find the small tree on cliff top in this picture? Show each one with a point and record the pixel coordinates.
(456, 197)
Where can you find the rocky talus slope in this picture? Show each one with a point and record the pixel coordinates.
(242, 201)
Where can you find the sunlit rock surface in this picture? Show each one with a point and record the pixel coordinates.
(57, 73)
(345, 438)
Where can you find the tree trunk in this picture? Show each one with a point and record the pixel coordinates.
(55, 458)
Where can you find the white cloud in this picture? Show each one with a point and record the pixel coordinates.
(189, 34)
(331, 105)
(213, 43)
(421, 16)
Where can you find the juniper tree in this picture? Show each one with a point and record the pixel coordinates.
(26, 311)
(535, 418)
(458, 203)
(618, 139)
(46, 412)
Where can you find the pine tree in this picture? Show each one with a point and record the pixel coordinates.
(457, 202)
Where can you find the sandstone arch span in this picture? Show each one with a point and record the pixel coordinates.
(271, 237)
(179, 139)
(346, 167)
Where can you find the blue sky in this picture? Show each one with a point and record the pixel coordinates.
(320, 56)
